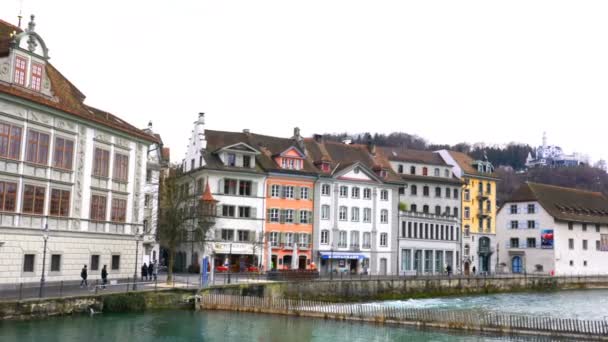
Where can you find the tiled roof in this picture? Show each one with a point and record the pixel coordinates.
(466, 164)
(565, 204)
(66, 97)
(412, 156)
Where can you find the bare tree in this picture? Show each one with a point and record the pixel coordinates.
(184, 217)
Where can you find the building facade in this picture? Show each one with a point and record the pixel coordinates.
(548, 229)
(478, 211)
(71, 176)
(429, 212)
(554, 156)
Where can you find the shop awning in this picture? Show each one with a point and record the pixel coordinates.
(342, 255)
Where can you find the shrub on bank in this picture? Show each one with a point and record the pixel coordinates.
(126, 302)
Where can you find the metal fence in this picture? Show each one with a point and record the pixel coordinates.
(454, 319)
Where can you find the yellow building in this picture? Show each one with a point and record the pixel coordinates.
(478, 211)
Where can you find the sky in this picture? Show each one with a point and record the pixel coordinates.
(449, 71)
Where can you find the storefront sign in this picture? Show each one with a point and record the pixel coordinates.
(546, 238)
(237, 248)
(342, 255)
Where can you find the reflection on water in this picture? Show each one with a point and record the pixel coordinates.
(582, 304)
(220, 326)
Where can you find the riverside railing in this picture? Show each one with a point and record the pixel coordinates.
(440, 318)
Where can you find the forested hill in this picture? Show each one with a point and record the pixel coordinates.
(512, 154)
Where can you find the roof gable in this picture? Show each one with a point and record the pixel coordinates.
(357, 172)
(239, 147)
(292, 152)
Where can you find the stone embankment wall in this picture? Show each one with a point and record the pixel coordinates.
(134, 301)
(405, 288)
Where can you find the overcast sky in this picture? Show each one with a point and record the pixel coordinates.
(449, 71)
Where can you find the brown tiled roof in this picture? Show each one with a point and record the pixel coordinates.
(466, 164)
(66, 97)
(565, 204)
(414, 156)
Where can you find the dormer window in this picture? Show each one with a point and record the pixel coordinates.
(231, 159)
(246, 161)
(36, 80)
(325, 167)
(20, 70)
(291, 163)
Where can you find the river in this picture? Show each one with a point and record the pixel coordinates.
(231, 326)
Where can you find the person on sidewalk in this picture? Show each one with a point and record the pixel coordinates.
(449, 270)
(104, 276)
(83, 275)
(144, 272)
(154, 270)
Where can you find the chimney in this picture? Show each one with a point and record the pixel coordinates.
(318, 138)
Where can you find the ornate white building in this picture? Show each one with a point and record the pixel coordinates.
(71, 176)
(552, 155)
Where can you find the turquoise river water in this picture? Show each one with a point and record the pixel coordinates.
(231, 326)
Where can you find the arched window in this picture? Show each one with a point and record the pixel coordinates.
(437, 192)
(413, 208)
(425, 209)
(437, 210)
(448, 192)
(425, 171)
(446, 172)
(414, 190)
(467, 250)
(447, 211)
(455, 211)
(436, 172)
(425, 191)
(400, 168)
(412, 170)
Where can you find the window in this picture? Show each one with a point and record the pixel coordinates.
(354, 214)
(448, 192)
(304, 193)
(531, 208)
(531, 224)
(446, 173)
(60, 202)
(367, 238)
(245, 188)
(597, 228)
(400, 168)
(246, 161)
(149, 176)
(8, 196)
(28, 262)
(343, 211)
(367, 193)
(227, 235)
(325, 190)
(95, 262)
(489, 224)
(228, 210)
(37, 150)
(101, 162)
(230, 186)
(343, 191)
(383, 239)
(467, 195)
(384, 195)
(413, 190)
(585, 263)
(367, 215)
(514, 224)
(571, 243)
(36, 76)
(437, 192)
(305, 216)
(342, 239)
(597, 245)
(513, 209)
(273, 237)
(55, 262)
(412, 170)
(354, 239)
(275, 190)
(437, 210)
(325, 237)
(425, 209)
(273, 215)
(231, 159)
(325, 212)
(245, 212)
(413, 208)
(436, 173)
(119, 210)
(425, 191)
(406, 259)
(531, 242)
(355, 192)
(467, 230)
(584, 227)
(514, 243)
(115, 262)
(571, 262)
(20, 70)
(33, 199)
(384, 216)
(98, 208)
(570, 226)
(425, 171)
(243, 235)
(489, 188)
(10, 141)
(121, 167)
(289, 216)
(585, 245)
(467, 213)
(455, 212)
(147, 201)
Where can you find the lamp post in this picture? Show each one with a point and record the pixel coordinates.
(45, 236)
(136, 257)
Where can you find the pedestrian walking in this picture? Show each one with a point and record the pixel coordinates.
(144, 272)
(83, 275)
(474, 269)
(104, 276)
(449, 270)
(154, 266)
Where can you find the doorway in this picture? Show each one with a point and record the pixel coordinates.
(516, 264)
(383, 266)
(302, 262)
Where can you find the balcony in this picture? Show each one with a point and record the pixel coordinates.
(521, 245)
(428, 216)
(484, 212)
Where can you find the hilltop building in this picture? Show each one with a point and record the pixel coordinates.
(552, 155)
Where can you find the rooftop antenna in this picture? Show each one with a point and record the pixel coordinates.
(20, 11)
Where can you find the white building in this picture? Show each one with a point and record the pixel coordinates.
(550, 229)
(227, 164)
(355, 210)
(552, 155)
(430, 209)
(70, 174)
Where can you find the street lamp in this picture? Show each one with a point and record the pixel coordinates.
(45, 236)
(136, 257)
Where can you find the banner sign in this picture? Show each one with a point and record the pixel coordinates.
(546, 238)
